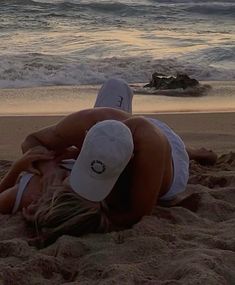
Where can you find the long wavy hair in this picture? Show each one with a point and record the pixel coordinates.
(61, 211)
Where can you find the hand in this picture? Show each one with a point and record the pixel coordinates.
(40, 149)
(26, 162)
(54, 179)
(29, 212)
(70, 152)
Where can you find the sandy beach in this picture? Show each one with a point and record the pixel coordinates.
(191, 242)
(212, 130)
(55, 56)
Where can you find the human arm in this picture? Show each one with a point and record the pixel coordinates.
(10, 178)
(66, 133)
(25, 163)
(7, 199)
(41, 138)
(8, 188)
(71, 130)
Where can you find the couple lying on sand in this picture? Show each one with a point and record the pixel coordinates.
(97, 170)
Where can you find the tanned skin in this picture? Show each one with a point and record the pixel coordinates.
(147, 176)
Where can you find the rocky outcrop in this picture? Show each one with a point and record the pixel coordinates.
(162, 82)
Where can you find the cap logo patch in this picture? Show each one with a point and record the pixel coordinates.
(98, 166)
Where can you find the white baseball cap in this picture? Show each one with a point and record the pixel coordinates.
(106, 150)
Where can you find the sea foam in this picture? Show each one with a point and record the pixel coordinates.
(45, 42)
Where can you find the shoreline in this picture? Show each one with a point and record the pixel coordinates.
(136, 113)
(61, 100)
(97, 85)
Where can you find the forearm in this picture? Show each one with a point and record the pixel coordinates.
(46, 167)
(30, 142)
(33, 141)
(10, 178)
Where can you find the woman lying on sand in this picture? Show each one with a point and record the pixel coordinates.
(125, 165)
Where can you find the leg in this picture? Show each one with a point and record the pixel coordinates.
(115, 93)
(7, 199)
(202, 155)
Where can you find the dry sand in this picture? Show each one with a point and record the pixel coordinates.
(212, 130)
(192, 242)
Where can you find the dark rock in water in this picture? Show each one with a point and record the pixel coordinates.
(175, 86)
(180, 86)
(162, 82)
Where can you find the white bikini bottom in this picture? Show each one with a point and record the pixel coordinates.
(180, 161)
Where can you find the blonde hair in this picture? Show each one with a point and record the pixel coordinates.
(61, 211)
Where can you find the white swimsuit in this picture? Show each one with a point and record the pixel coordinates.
(180, 160)
(25, 178)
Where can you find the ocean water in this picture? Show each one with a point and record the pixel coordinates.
(71, 42)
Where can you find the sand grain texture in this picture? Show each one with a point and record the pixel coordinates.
(192, 242)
